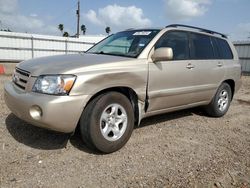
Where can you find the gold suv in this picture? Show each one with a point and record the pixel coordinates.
(128, 76)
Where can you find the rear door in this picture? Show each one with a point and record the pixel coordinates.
(208, 70)
(225, 56)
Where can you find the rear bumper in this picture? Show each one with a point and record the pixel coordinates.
(59, 113)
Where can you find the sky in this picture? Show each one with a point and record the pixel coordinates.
(231, 17)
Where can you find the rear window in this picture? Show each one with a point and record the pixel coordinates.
(224, 49)
(201, 47)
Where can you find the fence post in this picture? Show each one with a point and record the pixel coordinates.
(66, 46)
(32, 47)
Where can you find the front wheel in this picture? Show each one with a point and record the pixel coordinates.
(107, 122)
(220, 102)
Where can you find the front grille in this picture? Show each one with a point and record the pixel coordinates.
(20, 78)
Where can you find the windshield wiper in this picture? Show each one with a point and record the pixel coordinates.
(101, 52)
(114, 54)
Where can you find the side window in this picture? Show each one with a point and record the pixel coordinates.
(201, 47)
(176, 40)
(216, 48)
(224, 49)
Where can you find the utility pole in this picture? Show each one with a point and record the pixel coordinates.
(78, 19)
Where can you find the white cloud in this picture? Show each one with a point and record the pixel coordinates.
(8, 6)
(33, 15)
(118, 17)
(183, 10)
(11, 19)
(92, 17)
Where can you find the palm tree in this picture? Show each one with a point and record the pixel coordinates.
(83, 29)
(60, 27)
(65, 34)
(108, 30)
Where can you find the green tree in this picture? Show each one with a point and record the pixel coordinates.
(108, 30)
(83, 29)
(65, 34)
(61, 27)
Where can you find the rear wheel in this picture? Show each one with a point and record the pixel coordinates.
(220, 102)
(107, 122)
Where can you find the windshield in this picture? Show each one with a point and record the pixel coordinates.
(126, 43)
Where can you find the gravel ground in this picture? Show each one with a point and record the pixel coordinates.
(181, 149)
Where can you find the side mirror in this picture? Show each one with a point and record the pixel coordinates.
(162, 54)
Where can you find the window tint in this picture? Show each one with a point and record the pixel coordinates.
(176, 40)
(224, 49)
(216, 48)
(201, 47)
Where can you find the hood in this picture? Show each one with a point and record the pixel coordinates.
(69, 64)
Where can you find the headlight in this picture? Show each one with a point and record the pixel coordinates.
(54, 84)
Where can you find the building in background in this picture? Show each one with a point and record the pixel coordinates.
(243, 48)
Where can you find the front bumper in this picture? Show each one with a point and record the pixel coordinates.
(59, 113)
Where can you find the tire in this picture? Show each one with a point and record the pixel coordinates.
(107, 122)
(220, 103)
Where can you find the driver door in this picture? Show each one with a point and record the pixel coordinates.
(170, 83)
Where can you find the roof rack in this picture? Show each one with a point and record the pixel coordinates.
(198, 28)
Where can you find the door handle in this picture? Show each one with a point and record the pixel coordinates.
(190, 66)
(220, 64)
